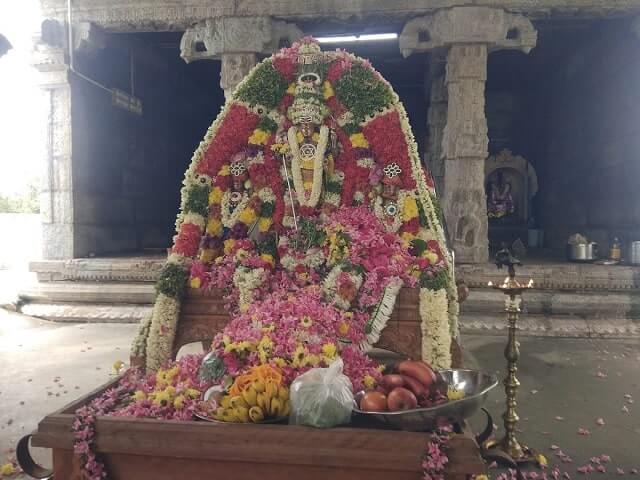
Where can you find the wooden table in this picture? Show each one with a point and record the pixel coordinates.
(141, 449)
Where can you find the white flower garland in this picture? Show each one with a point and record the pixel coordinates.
(382, 313)
(436, 336)
(139, 345)
(318, 166)
(162, 331)
(246, 280)
(229, 219)
(330, 287)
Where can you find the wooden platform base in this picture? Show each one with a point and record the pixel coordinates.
(146, 449)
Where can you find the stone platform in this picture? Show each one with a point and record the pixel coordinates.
(572, 300)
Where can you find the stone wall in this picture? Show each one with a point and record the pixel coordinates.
(120, 160)
(591, 167)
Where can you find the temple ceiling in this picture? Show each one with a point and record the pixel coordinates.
(167, 15)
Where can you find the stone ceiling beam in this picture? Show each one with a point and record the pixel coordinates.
(172, 15)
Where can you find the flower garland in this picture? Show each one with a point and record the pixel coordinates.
(318, 164)
(231, 217)
(436, 336)
(435, 458)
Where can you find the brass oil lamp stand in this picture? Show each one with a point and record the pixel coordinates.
(509, 445)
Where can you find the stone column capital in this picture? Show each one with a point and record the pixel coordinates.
(490, 26)
(235, 66)
(213, 37)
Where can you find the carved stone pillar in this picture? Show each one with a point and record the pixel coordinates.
(56, 196)
(236, 41)
(466, 34)
(235, 66)
(436, 119)
(465, 148)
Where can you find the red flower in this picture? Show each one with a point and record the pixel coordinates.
(337, 68)
(188, 240)
(232, 135)
(412, 226)
(336, 106)
(389, 145)
(286, 65)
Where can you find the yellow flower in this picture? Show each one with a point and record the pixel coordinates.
(312, 360)
(269, 328)
(344, 328)
(178, 403)
(207, 255)
(162, 399)
(431, 256)
(228, 245)
(480, 477)
(265, 348)
(192, 392)
(358, 140)
(280, 362)
(410, 209)
(117, 365)
(368, 381)
(214, 227)
(171, 373)
(267, 258)
(224, 171)
(306, 321)
(299, 136)
(264, 224)
(315, 137)
(248, 216)
(139, 395)
(259, 137)
(292, 89)
(327, 90)
(329, 350)
(195, 283)
(299, 357)
(215, 196)
(7, 469)
(542, 460)
(241, 254)
(280, 148)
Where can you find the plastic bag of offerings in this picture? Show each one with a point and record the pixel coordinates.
(322, 397)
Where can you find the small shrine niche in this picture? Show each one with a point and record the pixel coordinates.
(511, 183)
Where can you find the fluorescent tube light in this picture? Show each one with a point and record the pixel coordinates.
(358, 38)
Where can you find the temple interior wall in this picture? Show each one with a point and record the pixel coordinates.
(127, 169)
(589, 179)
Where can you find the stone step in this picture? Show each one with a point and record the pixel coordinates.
(89, 292)
(558, 276)
(584, 304)
(87, 312)
(556, 326)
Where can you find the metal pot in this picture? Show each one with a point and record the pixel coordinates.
(582, 252)
(634, 253)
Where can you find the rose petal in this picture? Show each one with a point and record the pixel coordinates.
(600, 421)
(560, 419)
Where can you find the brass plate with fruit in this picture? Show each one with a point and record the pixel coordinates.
(449, 396)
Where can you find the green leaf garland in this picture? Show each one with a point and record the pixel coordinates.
(265, 87)
(362, 92)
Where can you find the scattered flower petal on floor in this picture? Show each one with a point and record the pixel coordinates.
(605, 458)
(619, 471)
(633, 471)
(554, 447)
(601, 375)
(600, 421)
(533, 392)
(625, 409)
(583, 431)
(601, 469)
(560, 419)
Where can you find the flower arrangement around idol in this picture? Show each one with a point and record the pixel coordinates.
(307, 206)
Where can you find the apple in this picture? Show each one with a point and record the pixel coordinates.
(392, 381)
(373, 402)
(401, 399)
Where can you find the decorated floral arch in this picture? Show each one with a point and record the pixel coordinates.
(307, 200)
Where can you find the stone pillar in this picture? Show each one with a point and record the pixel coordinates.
(237, 42)
(467, 34)
(56, 196)
(465, 148)
(235, 66)
(436, 119)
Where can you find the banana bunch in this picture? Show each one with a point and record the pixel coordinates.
(258, 401)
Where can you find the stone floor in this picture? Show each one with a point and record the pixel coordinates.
(567, 384)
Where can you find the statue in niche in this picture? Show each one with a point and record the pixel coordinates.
(499, 198)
